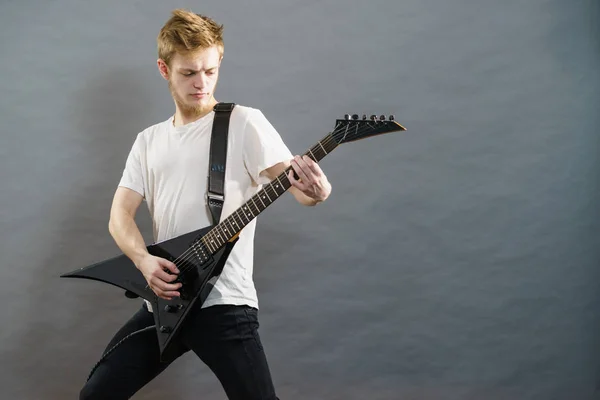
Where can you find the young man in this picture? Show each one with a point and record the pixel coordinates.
(167, 167)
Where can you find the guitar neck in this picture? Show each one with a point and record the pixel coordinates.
(237, 220)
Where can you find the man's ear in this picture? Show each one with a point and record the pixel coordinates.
(163, 68)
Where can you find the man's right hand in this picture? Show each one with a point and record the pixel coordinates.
(156, 271)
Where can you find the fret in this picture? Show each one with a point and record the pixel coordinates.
(235, 221)
(251, 213)
(240, 213)
(285, 184)
(243, 214)
(323, 148)
(265, 191)
(224, 229)
(213, 240)
(220, 234)
(255, 206)
(263, 203)
(239, 225)
(205, 243)
(272, 190)
(233, 230)
(320, 151)
(280, 185)
(233, 225)
(269, 189)
(331, 144)
(247, 213)
(313, 156)
(208, 242)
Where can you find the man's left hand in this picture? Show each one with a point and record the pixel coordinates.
(313, 182)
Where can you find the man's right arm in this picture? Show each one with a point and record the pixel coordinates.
(122, 226)
(128, 237)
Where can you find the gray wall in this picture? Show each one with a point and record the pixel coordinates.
(457, 260)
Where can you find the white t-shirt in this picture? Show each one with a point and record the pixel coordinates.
(168, 166)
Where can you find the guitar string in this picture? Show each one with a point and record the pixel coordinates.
(210, 237)
(189, 255)
(215, 237)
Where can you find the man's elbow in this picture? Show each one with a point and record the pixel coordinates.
(111, 225)
(115, 220)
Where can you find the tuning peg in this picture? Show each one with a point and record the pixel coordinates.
(354, 116)
(346, 116)
(373, 117)
(364, 117)
(391, 118)
(382, 117)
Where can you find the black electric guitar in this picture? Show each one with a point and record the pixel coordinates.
(200, 255)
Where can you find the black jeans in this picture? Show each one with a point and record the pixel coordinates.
(224, 337)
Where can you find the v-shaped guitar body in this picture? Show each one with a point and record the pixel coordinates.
(198, 273)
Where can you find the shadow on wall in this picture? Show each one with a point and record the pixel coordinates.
(71, 321)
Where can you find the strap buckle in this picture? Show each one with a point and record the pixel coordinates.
(214, 196)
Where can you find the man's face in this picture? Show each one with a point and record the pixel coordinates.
(193, 79)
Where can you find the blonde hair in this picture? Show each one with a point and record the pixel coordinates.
(186, 32)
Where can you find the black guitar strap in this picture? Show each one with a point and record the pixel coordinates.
(218, 158)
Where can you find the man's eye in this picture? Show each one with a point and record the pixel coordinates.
(189, 74)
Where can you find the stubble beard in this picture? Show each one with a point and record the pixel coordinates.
(187, 110)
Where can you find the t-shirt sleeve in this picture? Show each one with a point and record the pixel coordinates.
(263, 146)
(133, 177)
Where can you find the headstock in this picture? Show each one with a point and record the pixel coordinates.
(353, 128)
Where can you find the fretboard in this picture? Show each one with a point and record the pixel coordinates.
(237, 220)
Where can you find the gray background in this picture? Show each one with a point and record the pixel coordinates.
(457, 260)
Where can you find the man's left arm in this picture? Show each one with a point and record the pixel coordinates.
(311, 188)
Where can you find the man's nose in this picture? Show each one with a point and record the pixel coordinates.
(200, 81)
